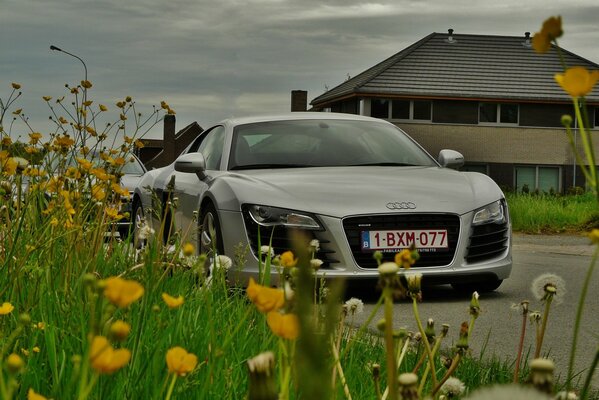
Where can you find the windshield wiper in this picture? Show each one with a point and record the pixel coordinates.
(270, 166)
(384, 164)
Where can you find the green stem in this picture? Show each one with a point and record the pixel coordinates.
(363, 328)
(581, 301)
(389, 344)
(541, 335)
(586, 144)
(520, 347)
(427, 346)
(587, 382)
(171, 387)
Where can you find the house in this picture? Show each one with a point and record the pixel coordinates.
(157, 153)
(492, 98)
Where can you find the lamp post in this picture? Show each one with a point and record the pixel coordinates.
(52, 47)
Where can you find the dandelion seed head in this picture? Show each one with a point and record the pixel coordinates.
(548, 284)
(453, 387)
(512, 392)
(354, 306)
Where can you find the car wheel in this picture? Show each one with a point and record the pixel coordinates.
(209, 231)
(482, 286)
(136, 221)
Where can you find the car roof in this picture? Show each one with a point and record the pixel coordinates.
(300, 116)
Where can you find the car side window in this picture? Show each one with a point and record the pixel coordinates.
(212, 146)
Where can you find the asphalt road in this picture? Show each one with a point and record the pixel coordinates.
(566, 256)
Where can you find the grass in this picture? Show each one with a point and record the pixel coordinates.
(531, 213)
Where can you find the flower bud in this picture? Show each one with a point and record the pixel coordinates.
(381, 324)
(566, 120)
(14, 363)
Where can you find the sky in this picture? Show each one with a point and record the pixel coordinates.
(210, 60)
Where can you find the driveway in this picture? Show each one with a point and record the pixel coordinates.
(497, 330)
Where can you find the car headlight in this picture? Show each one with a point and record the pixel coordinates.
(273, 216)
(491, 213)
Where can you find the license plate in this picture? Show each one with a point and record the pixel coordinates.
(424, 240)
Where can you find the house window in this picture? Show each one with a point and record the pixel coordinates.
(541, 178)
(481, 168)
(379, 108)
(418, 110)
(401, 109)
(498, 113)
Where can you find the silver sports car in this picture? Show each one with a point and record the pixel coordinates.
(357, 184)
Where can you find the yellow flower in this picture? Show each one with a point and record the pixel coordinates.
(36, 349)
(120, 104)
(180, 362)
(31, 395)
(47, 98)
(86, 165)
(17, 111)
(16, 86)
(122, 117)
(87, 103)
(594, 236)
(98, 193)
(41, 325)
(188, 249)
(25, 352)
(264, 298)
(283, 325)
(103, 107)
(34, 137)
(86, 84)
(113, 213)
(139, 144)
(14, 363)
(163, 105)
(9, 166)
(63, 120)
(287, 259)
(119, 330)
(404, 259)
(122, 292)
(172, 302)
(63, 141)
(99, 173)
(6, 141)
(551, 30)
(54, 221)
(104, 358)
(577, 81)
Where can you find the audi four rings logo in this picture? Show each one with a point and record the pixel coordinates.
(401, 205)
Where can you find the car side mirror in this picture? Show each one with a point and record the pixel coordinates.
(192, 163)
(451, 159)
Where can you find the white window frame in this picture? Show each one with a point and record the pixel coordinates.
(411, 116)
(537, 167)
(498, 118)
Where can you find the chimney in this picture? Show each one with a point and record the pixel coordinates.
(299, 100)
(527, 42)
(168, 141)
(450, 38)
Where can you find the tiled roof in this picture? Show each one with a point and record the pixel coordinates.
(472, 66)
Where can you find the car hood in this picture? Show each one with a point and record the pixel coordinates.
(342, 191)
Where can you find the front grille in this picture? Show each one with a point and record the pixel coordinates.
(354, 226)
(281, 240)
(487, 241)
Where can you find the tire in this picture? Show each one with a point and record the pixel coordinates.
(209, 231)
(482, 286)
(137, 216)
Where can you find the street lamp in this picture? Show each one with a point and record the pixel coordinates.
(52, 47)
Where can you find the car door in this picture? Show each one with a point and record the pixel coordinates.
(189, 187)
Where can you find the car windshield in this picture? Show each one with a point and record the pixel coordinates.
(323, 143)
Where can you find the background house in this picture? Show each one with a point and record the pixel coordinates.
(490, 97)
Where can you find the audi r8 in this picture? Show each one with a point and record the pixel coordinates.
(357, 184)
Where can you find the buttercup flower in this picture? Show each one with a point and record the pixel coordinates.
(6, 308)
(594, 236)
(86, 84)
(104, 358)
(453, 387)
(288, 260)
(14, 363)
(180, 362)
(16, 86)
(285, 326)
(354, 306)
(31, 395)
(264, 298)
(188, 249)
(405, 259)
(172, 302)
(119, 330)
(547, 285)
(577, 81)
(103, 107)
(122, 292)
(551, 30)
